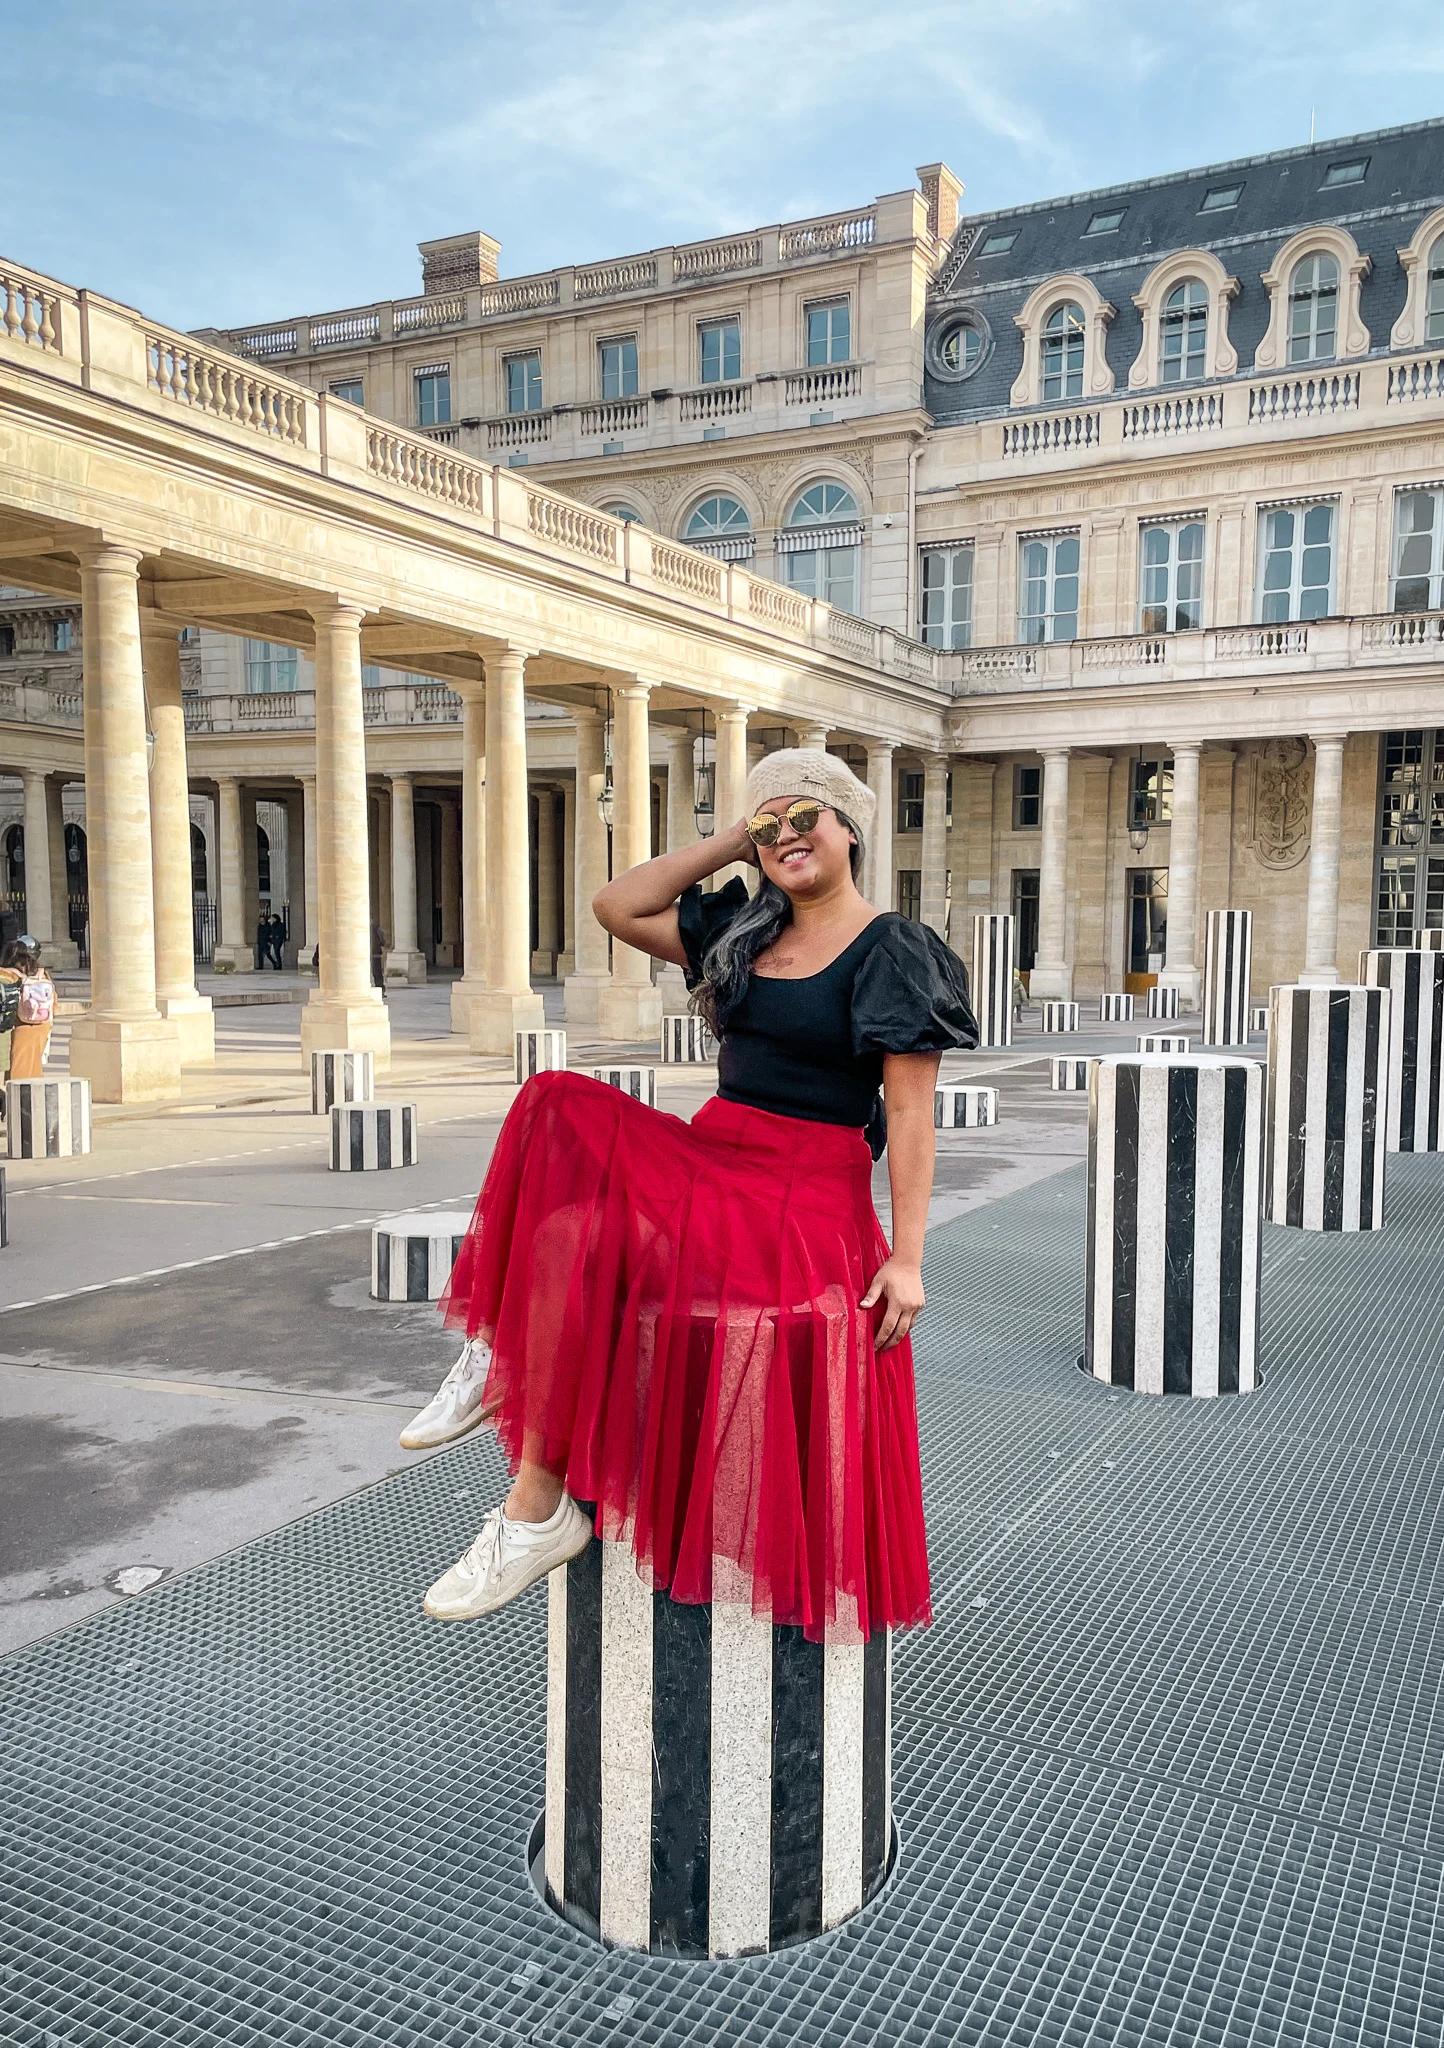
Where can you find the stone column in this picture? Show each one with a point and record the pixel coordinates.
(123, 1047)
(312, 898)
(1321, 931)
(475, 944)
(731, 781)
(63, 950)
(592, 975)
(1052, 973)
(681, 831)
(345, 1012)
(1181, 965)
(567, 958)
(170, 824)
(631, 1008)
(295, 945)
(508, 1005)
(544, 960)
(232, 954)
(39, 897)
(405, 962)
(814, 736)
(935, 843)
(878, 871)
(383, 909)
(450, 883)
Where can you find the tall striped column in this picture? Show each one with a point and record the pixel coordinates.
(1415, 981)
(993, 957)
(715, 1786)
(1175, 1173)
(1328, 1081)
(1227, 963)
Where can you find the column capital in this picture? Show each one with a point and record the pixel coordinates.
(935, 763)
(121, 556)
(879, 748)
(1321, 740)
(1177, 747)
(337, 611)
(161, 626)
(1055, 753)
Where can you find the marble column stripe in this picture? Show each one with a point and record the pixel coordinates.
(47, 1119)
(412, 1256)
(1227, 967)
(341, 1077)
(1415, 980)
(1060, 1017)
(638, 1082)
(1162, 1002)
(1116, 1009)
(964, 1108)
(992, 991)
(1430, 940)
(1328, 1077)
(1070, 1074)
(540, 1052)
(372, 1137)
(686, 1038)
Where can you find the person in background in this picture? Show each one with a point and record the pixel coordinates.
(37, 1008)
(275, 939)
(10, 979)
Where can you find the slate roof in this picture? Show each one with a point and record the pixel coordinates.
(1282, 193)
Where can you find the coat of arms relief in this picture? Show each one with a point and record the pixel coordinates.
(1283, 790)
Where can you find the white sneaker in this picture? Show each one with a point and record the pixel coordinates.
(455, 1407)
(505, 1559)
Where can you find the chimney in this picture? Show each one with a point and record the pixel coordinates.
(942, 191)
(455, 262)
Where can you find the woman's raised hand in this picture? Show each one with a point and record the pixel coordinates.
(903, 1286)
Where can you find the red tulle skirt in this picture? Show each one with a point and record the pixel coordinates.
(675, 1331)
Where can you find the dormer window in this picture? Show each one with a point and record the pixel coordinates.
(1351, 173)
(998, 245)
(1064, 335)
(1313, 310)
(1106, 223)
(1219, 198)
(1185, 333)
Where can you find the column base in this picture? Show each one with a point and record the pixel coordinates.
(544, 965)
(127, 1059)
(1051, 980)
(629, 1010)
(1188, 982)
(445, 953)
(463, 994)
(1320, 977)
(339, 1023)
(62, 956)
(234, 960)
(498, 1014)
(407, 968)
(195, 1023)
(566, 964)
(584, 995)
(672, 988)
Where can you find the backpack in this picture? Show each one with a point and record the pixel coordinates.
(9, 1005)
(37, 999)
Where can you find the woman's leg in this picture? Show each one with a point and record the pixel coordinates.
(535, 1491)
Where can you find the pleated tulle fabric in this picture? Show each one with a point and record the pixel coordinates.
(675, 1331)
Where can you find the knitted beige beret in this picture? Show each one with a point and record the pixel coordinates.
(807, 771)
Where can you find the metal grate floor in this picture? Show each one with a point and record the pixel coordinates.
(1167, 1769)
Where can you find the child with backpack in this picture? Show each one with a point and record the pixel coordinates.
(35, 1011)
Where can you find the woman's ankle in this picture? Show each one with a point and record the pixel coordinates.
(534, 1497)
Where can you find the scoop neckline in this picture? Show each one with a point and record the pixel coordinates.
(796, 980)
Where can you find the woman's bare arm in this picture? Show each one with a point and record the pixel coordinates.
(908, 1081)
(640, 906)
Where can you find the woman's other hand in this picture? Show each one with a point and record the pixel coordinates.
(903, 1286)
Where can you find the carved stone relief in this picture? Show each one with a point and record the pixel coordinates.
(1283, 790)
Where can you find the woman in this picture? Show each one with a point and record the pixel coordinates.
(700, 1328)
(37, 1008)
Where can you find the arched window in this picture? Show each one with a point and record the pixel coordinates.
(822, 545)
(1184, 330)
(15, 864)
(199, 875)
(263, 862)
(626, 513)
(1313, 310)
(1064, 333)
(720, 526)
(1434, 294)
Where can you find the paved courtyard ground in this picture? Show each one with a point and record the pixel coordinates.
(1166, 1767)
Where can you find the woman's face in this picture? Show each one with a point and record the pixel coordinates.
(807, 863)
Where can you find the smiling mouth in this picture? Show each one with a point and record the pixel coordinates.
(796, 853)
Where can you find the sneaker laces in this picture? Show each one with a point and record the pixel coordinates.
(487, 1546)
(468, 1363)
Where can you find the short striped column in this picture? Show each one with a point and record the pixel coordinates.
(1175, 1184)
(1162, 1003)
(685, 1039)
(47, 1119)
(341, 1076)
(1227, 966)
(1415, 981)
(1327, 1091)
(372, 1137)
(964, 1109)
(1164, 1041)
(412, 1256)
(715, 1786)
(1060, 1016)
(1069, 1073)
(638, 1082)
(993, 957)
(1430, 940)
(1116, 1009)
(1258, 1017)
(540, 1052)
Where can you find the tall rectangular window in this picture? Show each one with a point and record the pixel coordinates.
(524, 382)
(269, 667)
(62, 636)
(1418, 584)
(720, 342)
(829, 334)
(1027, 798)
(830, 573)
(1150, 796)
(1048, 588)
(946, 609)
(433, 396)
(910, 893)
(618, 364)
(1170, 578)
(1025, 913)
(1409, 890)
(1296, 563)
(910, 803)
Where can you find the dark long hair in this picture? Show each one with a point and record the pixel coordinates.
(728, 960)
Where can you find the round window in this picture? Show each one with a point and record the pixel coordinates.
(961, 348)
(958, 345)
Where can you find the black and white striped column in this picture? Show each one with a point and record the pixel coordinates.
(1258, 1017)
(1175, 1184)
(993, 957)
(372, 1137)
(1115, 1009)
(1415, 981)
(1162, 1003)
(1429, 940)
(964, 1109)
(1070, 1074)
(638, 1082)
(540, 1052)
(1227, 966)
(686, 1039)
(1164, 1041)
(47, 1119)
(1327, 1089)
(715, 1786)
(1060, 1016)
(412, 1256)
(341, 1076)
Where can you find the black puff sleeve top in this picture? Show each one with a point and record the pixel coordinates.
(813, 1048)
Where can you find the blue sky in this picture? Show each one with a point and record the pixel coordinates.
(213, 166)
